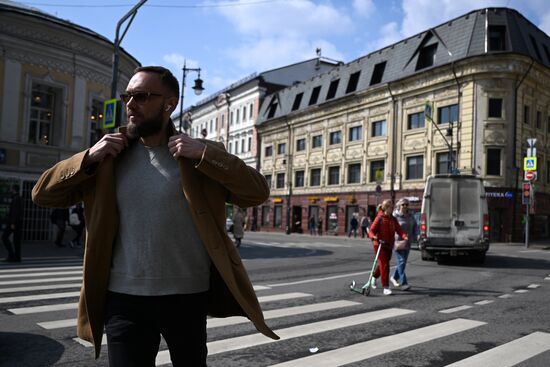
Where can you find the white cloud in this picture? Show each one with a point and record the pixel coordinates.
(280, 33)
(363, 8)
(389, 34)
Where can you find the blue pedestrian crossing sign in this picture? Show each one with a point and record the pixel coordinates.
(530, 163)
(109, 113)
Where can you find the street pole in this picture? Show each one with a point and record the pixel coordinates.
(197, 88)
(428, 109)
(132, 13)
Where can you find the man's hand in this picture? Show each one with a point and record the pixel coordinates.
(110, 144)
(184, 146)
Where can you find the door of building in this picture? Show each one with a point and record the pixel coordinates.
(297, 219)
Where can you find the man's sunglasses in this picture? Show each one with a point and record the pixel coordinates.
(139, 97)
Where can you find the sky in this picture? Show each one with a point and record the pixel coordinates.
(232, 39)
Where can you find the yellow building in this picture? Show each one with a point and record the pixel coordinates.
(335, 146)
(54, 77)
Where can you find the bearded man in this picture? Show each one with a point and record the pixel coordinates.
(158, 259)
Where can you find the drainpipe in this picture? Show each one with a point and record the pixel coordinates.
(289, 178)
(394, 145)
(515, 167)
(454, 162)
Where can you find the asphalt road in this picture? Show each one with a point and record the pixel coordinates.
(454, 311)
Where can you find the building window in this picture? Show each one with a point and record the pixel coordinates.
(354, 173)
(273, 103)
(426, 56)
(378, 73)
(352, 82)
(223, 121)
(299, 179)
(355, 133)
(236, 147)
(539, 120)
(231, 117)
(265, 215)
(271, 109)
(447, 114)
(493, 162)
(415, 167)
(277, 216)
(95, 121)
(231, 147)
(314, 95)
(44, 123)
(335, 137)
(268, 151)
(333, 87)
(281, 148)
(243, 149)
(526, 115)
(416, 120)
(300, 144)
(244, 113)
(379, 128)
(443, 164)
(497, 37)
(376, 171)
(280, 181)
(495, 108)
(297, 101)
(250, 111)
(317, 141)
(268, 179)
(315, 178)
(334, 175)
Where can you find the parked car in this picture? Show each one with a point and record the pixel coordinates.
(454, 219)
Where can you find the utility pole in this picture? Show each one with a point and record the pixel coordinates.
(118, 40)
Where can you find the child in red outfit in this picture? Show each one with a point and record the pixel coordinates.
(383, 230)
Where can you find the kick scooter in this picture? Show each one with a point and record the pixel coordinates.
(365, 290)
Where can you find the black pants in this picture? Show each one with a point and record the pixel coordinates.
(14, 252)
(134, 325)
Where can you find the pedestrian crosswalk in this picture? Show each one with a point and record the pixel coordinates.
(43, 292)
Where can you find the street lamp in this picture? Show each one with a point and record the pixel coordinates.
(198, 88)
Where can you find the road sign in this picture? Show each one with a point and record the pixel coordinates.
(428, 110)
(109, 113)
(530, 163)
(530, 175)
(532, 142)
(531, 152)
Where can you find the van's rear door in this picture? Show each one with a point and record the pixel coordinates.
(440, 230)
(469, 218)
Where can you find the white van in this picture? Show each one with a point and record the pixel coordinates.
(454, 219)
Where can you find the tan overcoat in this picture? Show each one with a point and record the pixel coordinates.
(218, 178)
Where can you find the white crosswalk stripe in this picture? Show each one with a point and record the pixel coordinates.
(509, 354)
(372, 348)
(335, 315)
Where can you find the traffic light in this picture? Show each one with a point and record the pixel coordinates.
(526, 193)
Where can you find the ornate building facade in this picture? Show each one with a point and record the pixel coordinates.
(461, 97)
(54, 77)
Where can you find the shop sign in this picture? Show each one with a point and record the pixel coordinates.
(331, 199)
(500, 195)
(277, 200)
(313, 199)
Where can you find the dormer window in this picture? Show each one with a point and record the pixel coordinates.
(496, 37)
(353, 81)
(426, 56)
(314, 95)
(378, 73)
(297, 101)
(332, 89)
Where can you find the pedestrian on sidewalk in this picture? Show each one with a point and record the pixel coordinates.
(14, 225)
(158, 259)
(353, 223)
(60, 218)
(312, 225)
(364, 222)
(382, 232)
(320, 227)
(238, 226)
(76, 221)
(408, 224)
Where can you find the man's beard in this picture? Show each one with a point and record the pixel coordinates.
(146, 128)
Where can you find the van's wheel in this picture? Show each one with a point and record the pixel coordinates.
(426, 255)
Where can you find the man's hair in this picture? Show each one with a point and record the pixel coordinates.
(166, 77)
